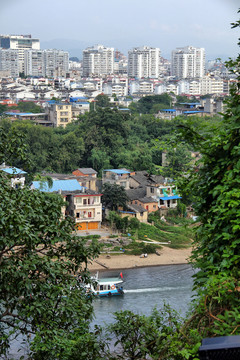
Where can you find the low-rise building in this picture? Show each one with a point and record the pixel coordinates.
(166, 195)
(60, 114)
(17, 176)
(135, 211)
(82, 204)
(116, 176)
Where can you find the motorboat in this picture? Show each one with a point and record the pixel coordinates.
(111, 286)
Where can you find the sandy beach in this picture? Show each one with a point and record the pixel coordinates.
(119, 262)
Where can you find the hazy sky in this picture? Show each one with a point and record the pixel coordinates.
(123, 24)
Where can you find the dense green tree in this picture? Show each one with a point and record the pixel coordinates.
(146, 104)
(216, 189)
(99, 160)
(3, 108)
(114, 196)
(101, 101)
(28, 106)
(104, 129)
(39, 256)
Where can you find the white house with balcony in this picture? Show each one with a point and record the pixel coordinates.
(82, 204)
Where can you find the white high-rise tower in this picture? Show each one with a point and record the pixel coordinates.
(188, 62)
(144, 62)
(98, 60)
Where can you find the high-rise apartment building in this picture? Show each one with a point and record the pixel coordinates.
(47, 63)
(34, 63)
(188, 62)
(56, 62)
(21, 43)
(144, 62)
(98, 60)
(9, 62)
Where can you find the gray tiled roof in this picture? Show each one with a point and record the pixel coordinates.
(136, 208)
(144, 179)
(134, 194)
(148, 200)
(87, 171)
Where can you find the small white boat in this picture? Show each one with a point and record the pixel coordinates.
(106, 286)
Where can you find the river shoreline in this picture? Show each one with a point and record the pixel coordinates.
(168, 256)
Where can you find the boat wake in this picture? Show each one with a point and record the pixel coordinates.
(162, 289)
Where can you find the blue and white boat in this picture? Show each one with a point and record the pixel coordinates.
(111, 286)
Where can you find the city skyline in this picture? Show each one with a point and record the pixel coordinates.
(166, 25)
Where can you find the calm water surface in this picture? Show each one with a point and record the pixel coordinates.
(146, 288)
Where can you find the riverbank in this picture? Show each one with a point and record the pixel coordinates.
(167, 256)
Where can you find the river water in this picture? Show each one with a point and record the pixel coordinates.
(146, 288)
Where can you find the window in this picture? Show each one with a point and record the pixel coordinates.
(154, 206)
(77, 215)
(84, 201)
(152, 190)
(78, 200)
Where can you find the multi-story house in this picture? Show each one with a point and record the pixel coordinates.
(116, 176)
(212, 85)
(138, 197)
(119, 90)
(60, 114)
(86, 177)
(82, 204)
(166, 195)
(86, 208)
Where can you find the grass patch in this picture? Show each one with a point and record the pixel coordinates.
(179, 236)
(138, 248)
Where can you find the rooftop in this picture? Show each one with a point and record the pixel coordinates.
(57, 185)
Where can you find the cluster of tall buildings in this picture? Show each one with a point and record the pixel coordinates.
(22, 54)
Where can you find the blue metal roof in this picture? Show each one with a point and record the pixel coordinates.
(64, 185)
(77, 98)
(170, 197)
(171, 110)
(82, 102)
(118, 171)
(19, 114)
(13, 171)
(193, 112)
(184, 103)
